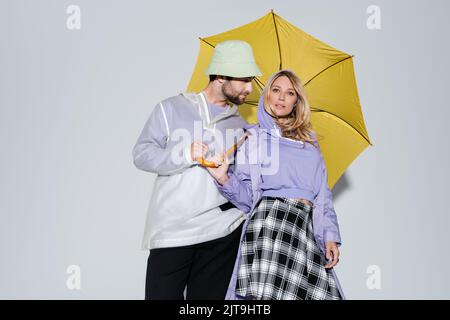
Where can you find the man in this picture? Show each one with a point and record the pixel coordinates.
(192, 232)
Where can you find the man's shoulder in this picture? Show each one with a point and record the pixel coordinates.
(242, 123)
(176, 99)
(177, 103)
(251, 128)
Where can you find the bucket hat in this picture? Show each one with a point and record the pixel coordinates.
(233, 58)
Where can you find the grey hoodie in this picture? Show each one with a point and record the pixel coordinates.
(184, 206)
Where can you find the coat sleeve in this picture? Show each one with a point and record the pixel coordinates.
(238, 188)
(151, 152)
(330, 223)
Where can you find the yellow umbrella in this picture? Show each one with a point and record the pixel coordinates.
(327, 74)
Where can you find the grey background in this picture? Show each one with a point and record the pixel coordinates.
(72, 104)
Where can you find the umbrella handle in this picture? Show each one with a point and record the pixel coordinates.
(232, 149)
(207, 164)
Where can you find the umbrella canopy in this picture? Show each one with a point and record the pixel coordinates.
(326, 73)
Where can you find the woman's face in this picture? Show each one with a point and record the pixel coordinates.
(282, 97)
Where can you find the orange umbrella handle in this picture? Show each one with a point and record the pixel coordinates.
(231, 150)
(208, 164)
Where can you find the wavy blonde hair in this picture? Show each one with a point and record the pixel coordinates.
(297, 125)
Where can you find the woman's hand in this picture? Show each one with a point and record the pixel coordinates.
(219, 173)
(332, 253)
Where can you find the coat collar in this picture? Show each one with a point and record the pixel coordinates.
(199, 100)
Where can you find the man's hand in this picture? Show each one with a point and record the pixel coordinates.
(198, 150)
(332, 252)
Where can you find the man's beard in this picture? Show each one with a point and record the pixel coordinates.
(230, 95)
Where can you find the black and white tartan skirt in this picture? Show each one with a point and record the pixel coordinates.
(280, 259)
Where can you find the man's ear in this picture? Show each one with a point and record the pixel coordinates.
(221, 79)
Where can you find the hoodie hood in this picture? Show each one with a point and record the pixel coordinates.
(265, 120)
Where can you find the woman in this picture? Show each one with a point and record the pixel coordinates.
(292, 230)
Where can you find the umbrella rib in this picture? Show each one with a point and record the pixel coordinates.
(259, 83)
(349, 57)
(278, 39)
(334, 115)
(201, 39)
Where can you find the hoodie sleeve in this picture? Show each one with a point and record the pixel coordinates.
(325, 200)
(151, 153)
(238, 188)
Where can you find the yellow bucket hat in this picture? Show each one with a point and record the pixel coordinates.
(233, 58)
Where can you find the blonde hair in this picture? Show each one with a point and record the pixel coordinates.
(297, 125)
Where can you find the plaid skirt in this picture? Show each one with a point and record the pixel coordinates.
(280, 259)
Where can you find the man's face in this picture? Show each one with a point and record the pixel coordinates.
(236, 90)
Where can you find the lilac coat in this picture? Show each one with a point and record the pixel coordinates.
(243, 190)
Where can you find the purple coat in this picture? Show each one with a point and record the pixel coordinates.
(243, 190)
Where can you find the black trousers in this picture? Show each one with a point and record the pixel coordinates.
(204, 269)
